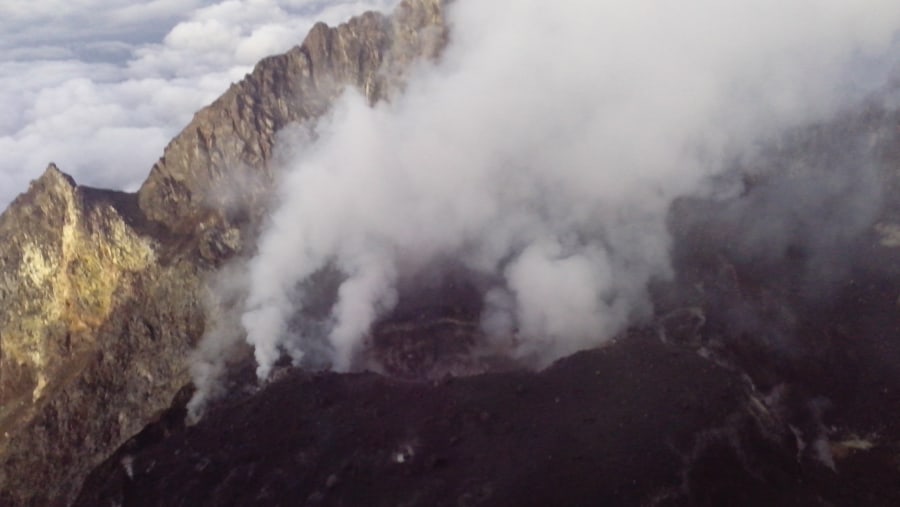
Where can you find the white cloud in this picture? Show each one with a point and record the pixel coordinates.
(100, 86)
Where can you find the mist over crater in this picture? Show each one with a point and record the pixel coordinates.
(541, 153)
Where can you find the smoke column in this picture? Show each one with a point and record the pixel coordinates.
(543, 151)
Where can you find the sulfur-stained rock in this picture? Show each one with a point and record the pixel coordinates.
(93, 332)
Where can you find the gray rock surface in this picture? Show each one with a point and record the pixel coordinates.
(101, 300)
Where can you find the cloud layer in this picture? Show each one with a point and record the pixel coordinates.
(100, 86)
(542, 153)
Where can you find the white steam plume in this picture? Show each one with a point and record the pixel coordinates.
(543, 151)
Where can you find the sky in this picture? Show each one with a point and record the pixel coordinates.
(100, 86)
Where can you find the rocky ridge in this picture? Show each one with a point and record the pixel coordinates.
(93, 323)
(101, 292)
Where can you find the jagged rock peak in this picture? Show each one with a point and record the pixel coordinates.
(73, 338)
(52, 186)
(218, 172)
(54, 174)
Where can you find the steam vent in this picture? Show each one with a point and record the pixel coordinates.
(462, 253)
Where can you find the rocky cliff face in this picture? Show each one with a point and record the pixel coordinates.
(94, 328)
(101, 292)
(216, 174)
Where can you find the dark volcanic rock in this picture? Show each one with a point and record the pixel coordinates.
(640, 422)
(644, 421)
(608, 427)
(670, 415)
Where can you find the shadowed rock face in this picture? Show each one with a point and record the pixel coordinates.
(580, 430)
(101, 292)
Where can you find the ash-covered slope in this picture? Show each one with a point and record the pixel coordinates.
(644, 421)
(217, 171)
(101, 293)
(584, 432)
